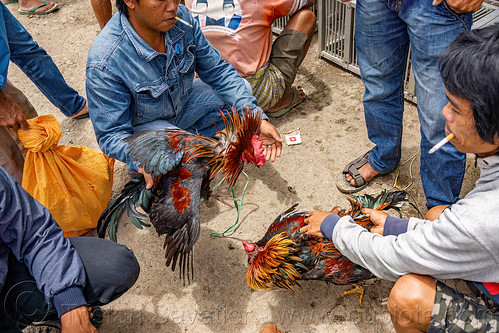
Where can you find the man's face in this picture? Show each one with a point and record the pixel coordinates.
(153, 15)
(229, 10)
(460, 122)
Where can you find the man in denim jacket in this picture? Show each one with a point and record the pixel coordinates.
(140, 76)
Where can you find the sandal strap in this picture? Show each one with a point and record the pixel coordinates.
(353, 168)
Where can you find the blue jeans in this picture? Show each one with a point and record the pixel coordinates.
(201, 113)
(383, 31)
(111, 269)
(39, 66)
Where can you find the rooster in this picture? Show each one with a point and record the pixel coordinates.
(182, 165)
(285, 255)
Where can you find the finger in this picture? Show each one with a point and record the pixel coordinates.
(268, 153)
(336, 210)
(437, 2)
(304, 229)
(278, 148)
(274, 152)
(367, 211)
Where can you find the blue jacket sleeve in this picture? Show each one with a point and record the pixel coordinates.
(33, 236)
(218, 73)
(108, 105)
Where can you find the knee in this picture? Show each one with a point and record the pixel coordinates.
(303, 20)
(434, 213)
(411, 298)
(125, 267)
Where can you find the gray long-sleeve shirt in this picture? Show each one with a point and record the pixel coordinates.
(462, 243)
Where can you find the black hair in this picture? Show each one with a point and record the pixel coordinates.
(470, 70)
(122, 7)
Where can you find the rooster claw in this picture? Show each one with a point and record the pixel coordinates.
(357, 289)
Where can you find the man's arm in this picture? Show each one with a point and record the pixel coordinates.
(219, 74)
(30, 232)
(461, 6)
(443, 249)
(108, 104)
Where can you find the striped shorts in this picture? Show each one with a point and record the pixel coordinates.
(277, 74)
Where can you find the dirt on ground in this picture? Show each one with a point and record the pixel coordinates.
(333, 131)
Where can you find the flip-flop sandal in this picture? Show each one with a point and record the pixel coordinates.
(9, 2)
(288, 108)
(353, 169)
(32, 11)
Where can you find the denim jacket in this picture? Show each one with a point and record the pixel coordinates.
(129, 83)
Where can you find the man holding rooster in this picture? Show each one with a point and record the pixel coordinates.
(140, 76)
(462, 242)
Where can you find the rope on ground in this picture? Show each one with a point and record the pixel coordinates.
(411, 159)
(236, 204)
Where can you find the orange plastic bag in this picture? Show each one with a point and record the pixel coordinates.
(74, 183)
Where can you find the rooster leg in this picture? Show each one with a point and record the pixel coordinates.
(357, 289)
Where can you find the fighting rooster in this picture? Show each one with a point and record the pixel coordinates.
(285, 255)
(182, 165)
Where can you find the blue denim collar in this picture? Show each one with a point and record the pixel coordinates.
(143, 49)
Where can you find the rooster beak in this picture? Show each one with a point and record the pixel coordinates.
(248, 247)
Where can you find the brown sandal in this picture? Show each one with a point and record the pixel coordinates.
(353, 169)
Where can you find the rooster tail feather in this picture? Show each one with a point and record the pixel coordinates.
(126, 200)
(383, 201)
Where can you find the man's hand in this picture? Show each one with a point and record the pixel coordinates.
(147, 178)
(11, 114)
(272, 141)
(461, 6)
(313, 223)
(77, 321)
(378, 218)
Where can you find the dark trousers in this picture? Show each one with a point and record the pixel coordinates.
(111, 269)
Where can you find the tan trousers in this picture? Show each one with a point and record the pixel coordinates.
(12, 151)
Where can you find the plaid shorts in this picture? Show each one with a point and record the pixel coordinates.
(277, 74)
(456, 312)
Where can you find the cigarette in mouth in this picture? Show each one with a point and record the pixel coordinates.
(441, 143)
(184, 22)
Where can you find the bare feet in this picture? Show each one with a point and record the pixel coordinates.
(26, 7)
(287, 99)
(83, 111)
(365, 171)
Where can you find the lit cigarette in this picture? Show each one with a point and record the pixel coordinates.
(184, 22)
(441, 143)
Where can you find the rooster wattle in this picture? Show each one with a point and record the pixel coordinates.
(182, 165)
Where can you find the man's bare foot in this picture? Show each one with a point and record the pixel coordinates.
(287, 99)
(26, 6)
(366, 171)
(82, 112)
